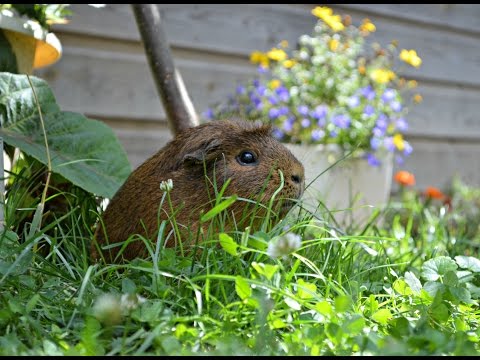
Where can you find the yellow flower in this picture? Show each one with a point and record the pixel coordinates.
(399, 142)
(257, 57)
(322, 11)
(410, 57)
(362, 70)
(417, 98)
(289, 63)
(277, 54)
(367, 26)
(284, 43)
(326, 14)
(333, 44)
(275, 83)
(382, 76)
(412, 84)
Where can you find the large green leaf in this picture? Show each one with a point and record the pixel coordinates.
(83, 150)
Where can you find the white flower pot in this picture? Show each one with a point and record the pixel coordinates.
(350, 189)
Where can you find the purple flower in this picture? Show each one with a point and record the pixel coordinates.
(368, 92)
(353, 101)
(375, 143)
(382, 122)
(342, 121)
(256, 82)
(388, 143)
(282, 93)
(277, 133)
(284, 110)
(273, 113)
(317, 134)
(288, 125)
(303, 110)
(241, 90)
(388, 95)
(262, 70)
(399, 159)
(320, 112)
(401, 124)
(208, 114)
(396, 106)
(372, 160)
(261, 90)
(305, 122)
(408, 148)
(333, 134)
(273, 100)
(378, 131)
(369, 110)
(257, 102)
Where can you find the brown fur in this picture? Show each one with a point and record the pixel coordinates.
(212, 147)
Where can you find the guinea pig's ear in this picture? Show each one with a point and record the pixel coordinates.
(206, 152)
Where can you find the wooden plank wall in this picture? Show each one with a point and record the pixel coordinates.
(104, 74)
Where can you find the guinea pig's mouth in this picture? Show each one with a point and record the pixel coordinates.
(286, 205)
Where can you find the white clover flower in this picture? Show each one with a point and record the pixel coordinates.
(284, 245)
(167, 185)
(107, 309)
(129, 302)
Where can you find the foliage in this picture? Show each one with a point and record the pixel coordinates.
(333, 88)
(82, 150)
(298, 287)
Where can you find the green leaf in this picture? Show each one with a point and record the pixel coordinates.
(306, 290)
(293, 304)
(401, 287)
(8, 60)
(468, 262)
(342, 303)
(450, 278)
(84, 151)
(354, 326)
(433, 269)
(461, 294)
(242, 288)
(266, 270)
(324, 308)
(219, 208)
(413, 282)
(382, 316)
(228, 244)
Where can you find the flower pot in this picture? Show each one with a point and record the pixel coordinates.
(32, 46)
(350, 188)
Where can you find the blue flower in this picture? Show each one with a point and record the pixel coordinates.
(208, 114)
(353, 101)
(408, 148)
(288, 125)
(388, 143)
(396, 106)
(277, 133)
(241, 90)
(284, 110)
(273, 113)
(261, 90)
(320, 112)
(401, 124)
(372, 160)
(375, 143)
(368, 92)
(342, 121)
(369, 110)
(262, 70)
(388, 95)
(317, 134)
(305, 122)
(303, 110)
(378, 131)
(382, 122)
(273, 100)
(283, 93)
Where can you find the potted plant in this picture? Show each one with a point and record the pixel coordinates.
(25, 35)
(333, 96)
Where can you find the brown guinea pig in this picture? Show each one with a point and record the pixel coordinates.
(197, 160)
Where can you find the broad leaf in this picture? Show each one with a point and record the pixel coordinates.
(82, 150)
(468, 262)
(439, 266)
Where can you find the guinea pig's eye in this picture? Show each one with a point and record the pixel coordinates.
(247, 158)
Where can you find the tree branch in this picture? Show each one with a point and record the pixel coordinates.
(178, 106)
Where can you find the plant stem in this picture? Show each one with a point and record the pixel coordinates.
(178, 106)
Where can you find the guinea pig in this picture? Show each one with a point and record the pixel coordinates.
(197, 160)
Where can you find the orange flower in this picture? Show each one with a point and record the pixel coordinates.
(405, 178)
(434, 193)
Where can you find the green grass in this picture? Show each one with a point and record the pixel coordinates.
(409, 286)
